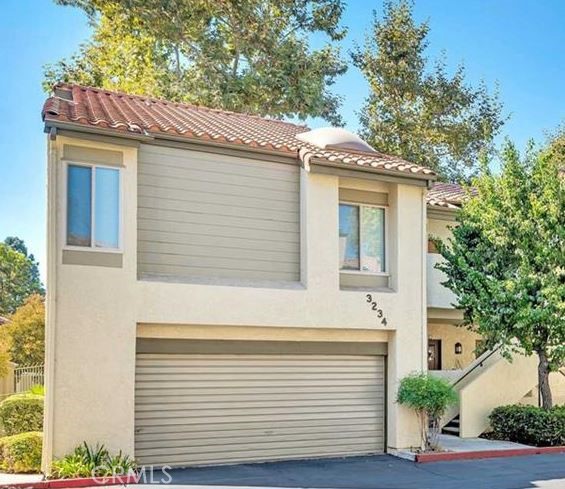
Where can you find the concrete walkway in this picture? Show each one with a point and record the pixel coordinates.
(455, 444)
(6, 479)
(383, 472)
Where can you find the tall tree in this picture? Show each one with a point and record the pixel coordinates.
(506, 259)
(19, 275)
(27, 333)
(251, 55)
(417, 111)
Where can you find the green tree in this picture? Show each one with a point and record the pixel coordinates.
(416, 110)
(27, 332)
(19, 275)
(429, 397)
(505, 260)
(251, 56)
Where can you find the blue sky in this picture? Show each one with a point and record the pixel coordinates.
(519, 43)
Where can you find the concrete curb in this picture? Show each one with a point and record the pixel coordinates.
(75, 483)
(511, 452)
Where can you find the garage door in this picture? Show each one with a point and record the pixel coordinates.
(213, 409)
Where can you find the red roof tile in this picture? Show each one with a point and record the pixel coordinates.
(137, 115)
(449, 195)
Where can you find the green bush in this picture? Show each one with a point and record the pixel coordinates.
(21, 413)
(38, 390)
(21, 453)
(530, 425)
(430, 397)
(87, 461)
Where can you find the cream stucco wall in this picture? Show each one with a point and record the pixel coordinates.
(439, 296)
(450, 334)
(94, 311)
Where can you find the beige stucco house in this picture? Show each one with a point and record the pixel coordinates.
(226, 288)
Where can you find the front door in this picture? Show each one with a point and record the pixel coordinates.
(434, 354)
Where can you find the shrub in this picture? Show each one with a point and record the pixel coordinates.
(21, 413)
(87, 461)
(21, 453)
(530, 425)
(429, 396)
(38, 390)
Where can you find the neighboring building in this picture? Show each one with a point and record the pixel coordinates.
(227, 288)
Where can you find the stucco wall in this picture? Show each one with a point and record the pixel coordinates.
(93, 311)
(439, 296)
(450, 334)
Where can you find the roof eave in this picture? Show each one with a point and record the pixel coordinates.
(428, 178)
(156, 138)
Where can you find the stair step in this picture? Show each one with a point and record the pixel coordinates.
(451, 430)
(454, 422)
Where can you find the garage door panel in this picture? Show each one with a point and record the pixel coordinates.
(267, 425)
(149, 359)
(231, 457)
(259, 449)
(238, 369)
(221, 419)
(259, 377)
(165, 446)
(275, 397)
(257, 414)
(246, 404)
(198, 433)
(244, 384)
(203, 409)
(196, 392)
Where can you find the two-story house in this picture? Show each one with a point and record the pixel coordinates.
(225, 288)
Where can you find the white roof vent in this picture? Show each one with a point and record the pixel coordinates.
(335, 138)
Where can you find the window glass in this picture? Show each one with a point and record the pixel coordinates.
(372, 239)
(79, 211)
(349, 237)
(107, 208)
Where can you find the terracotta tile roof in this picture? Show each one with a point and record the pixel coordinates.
(448, 195)
(136, 115)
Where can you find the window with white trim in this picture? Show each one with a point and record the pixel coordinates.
(362, 238)
(93, 206)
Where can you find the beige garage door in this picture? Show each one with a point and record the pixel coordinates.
(213, 409)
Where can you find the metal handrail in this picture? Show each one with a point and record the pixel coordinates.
(480, 363)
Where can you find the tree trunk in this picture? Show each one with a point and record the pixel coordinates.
(543, 380)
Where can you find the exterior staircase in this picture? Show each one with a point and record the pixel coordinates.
(490, 381)
(452, 427)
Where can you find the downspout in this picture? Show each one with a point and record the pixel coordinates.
(51, 301)
(424, 275)
(424, 279)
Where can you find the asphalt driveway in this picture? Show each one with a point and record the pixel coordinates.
(386, 472)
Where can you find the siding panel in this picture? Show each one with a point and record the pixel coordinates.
(207, 215)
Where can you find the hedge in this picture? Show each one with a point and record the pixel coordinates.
(21, 453)
(530, 425)
(21, 413)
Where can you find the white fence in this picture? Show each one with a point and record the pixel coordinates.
(27, 377)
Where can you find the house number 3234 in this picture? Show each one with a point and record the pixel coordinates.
(378, 311)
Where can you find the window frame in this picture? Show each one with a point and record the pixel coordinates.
(92, 247)
(386, 272)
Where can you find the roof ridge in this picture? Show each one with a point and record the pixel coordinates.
(179, 104)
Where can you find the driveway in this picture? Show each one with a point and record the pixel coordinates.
(386, 472)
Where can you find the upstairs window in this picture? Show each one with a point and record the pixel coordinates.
(93, 207)
(362, 238)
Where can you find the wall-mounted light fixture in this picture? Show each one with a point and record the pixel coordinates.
(458, 348)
